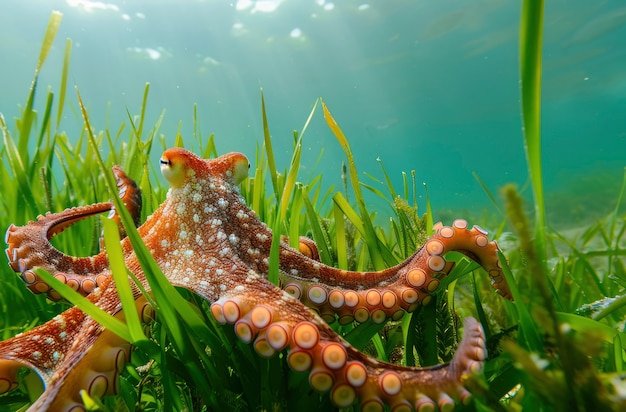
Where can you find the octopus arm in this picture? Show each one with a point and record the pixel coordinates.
(71, 352)
(29, 246)
(390, 293)
(278, 321)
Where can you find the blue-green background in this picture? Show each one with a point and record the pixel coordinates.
(430, 86)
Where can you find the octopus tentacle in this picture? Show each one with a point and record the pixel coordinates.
(306, 246)
(29, 246)
(336, 367)
(130, 195)
(388, 294)
(71, 352)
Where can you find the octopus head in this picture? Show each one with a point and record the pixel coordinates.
(179, 166)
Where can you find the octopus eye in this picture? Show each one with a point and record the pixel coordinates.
(240, 169)
(173, 167)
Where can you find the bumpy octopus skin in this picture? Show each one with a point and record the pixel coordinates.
(206, 239)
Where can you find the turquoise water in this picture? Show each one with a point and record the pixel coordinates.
(430, 86)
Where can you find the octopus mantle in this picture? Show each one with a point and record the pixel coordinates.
(205, 239)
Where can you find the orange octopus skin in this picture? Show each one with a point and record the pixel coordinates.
(206, 239)
(82, 274)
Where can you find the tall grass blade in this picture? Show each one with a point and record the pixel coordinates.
(51, 31)
(16, 165)
(369, 233)
(118, 268)
(342, 203)
(290, 182)
(531, 32)
(308, 120)
(142, 116)
(340, 237)
(295, 209)
(618, 353)
(490, 195)
(44, 127)
(63, 88)
(110, 322)
(392, 191)
(267, 142)
(316, 228)
(429, 213)
(28, 115)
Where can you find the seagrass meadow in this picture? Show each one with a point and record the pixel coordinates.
(558, 346)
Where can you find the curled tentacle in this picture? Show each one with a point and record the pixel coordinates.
(130, 194)
(389, 293)
(306, 246)
(334, 366)
(29, 246)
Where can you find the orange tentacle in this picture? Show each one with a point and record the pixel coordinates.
(334, 366)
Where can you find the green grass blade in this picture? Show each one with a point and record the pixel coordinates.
(408, 337)
(210, 150)
(274, 266)
(267, 140)
(429, 213)
(381, 353)
(531, 32)
(28, 115)
(48, 38)
(581, 323)
(119, 271)
(294, 216)
(290, 182)
(349, 212)
(281, 213)
(613, 307)
(63, 88)
(340, 237)
(618, 353)
(392, 191)
(490, 195)
(16, 164)
(362, 334)
(308, 120)
(142, 116)
(374, 190)
(530, 334)
(316, 228)
(44, 127)
(369, 233)
(108, 321)
(197, 134)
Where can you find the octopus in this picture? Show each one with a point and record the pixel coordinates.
(206, 239)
